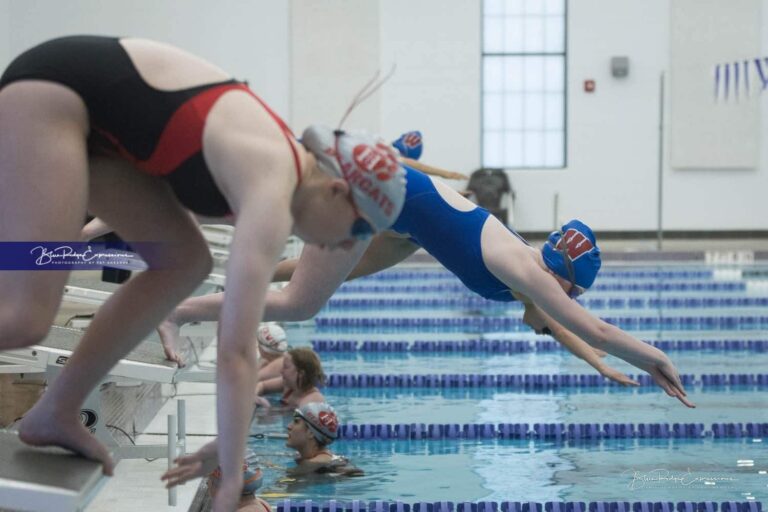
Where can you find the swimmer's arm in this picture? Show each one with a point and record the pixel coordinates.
(307, 467)
(582, 350)
(433, 171)
(318, 274)
(274, 385)
(386, 250)
(97, 227)
(528, 279)
(255, 250)
(94, 229)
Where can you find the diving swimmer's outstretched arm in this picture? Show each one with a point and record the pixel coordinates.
(537, 319)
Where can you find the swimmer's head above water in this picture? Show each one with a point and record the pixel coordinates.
(316, 420)
(370, 168)
(571, 253)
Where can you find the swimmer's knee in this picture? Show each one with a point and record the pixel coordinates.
(192, 261)
(202, 265)
(23, 326)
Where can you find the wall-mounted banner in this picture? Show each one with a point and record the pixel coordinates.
(740, 79)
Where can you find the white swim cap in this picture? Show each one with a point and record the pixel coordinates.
(321, 419)
(370, 167)
(272, 338)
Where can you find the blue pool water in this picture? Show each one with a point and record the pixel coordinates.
(692, 302)
(627, 470)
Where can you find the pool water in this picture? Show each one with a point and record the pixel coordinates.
(692, 302)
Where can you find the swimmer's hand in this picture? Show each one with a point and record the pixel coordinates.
(665, 375)
(260, 401)
(194, 465)
(172, 355)
(169, 336)
(617, 376)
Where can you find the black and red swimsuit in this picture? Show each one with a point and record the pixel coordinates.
(159, 132)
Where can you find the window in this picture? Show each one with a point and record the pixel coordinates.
(524, 83)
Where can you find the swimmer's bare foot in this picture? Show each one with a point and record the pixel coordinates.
(169, 334)
(43, 428)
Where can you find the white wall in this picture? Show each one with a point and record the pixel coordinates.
(246, 38)
(764, 98)
(335, 51)
(709, 198)
(338, 45)
(5, 25)
(611, 178)
(436, 88)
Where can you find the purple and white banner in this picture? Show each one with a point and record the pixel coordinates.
(740, 79)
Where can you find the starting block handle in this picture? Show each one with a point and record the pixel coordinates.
(171, 455)
(181, 412)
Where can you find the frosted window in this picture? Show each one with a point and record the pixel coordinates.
(534, 35)
(514, 34)
(553, 112)
(524, 83)
(514, 112)
(493, 149)
(556, 7)
(493, 34)
(513, 149)
(553, 145)
(514, 7)
(554, 34)
(493, 79)
(533, 147)
(513, 73)
(493, 112)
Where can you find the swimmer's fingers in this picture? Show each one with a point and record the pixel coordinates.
(179, 475)
(672, 389)
(456, 176)
(170, 353)
(617, 376)
(670, 373)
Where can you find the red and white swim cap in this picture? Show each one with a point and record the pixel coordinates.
(368, 164)
(272, 338)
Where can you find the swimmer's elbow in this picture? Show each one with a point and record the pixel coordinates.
(305, 310)
(602, 335)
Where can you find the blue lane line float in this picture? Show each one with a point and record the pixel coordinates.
(458, 288)
(422, 275)
(550, 431)
(528, 382)
(516, 506)
(514, 346)
(515, 324)
(478, 303)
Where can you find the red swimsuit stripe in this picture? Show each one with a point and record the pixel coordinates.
(182, 136)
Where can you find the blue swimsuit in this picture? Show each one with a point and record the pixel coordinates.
(450, 235)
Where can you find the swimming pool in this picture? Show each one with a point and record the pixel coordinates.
(410, 350)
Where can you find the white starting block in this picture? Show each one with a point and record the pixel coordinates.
(146, 363)
(45, 479)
